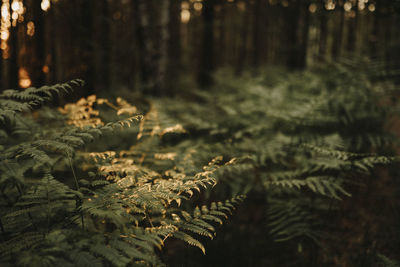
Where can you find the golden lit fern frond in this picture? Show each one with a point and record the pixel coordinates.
(200, 221)
(156, 124)
(150, 125)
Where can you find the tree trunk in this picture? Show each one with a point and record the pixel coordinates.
(86, 44)
(174, 47)
(338, 37)
(101, 46)
(39, 48)
(13, 60)
(58, 62)
(241, 59)
(256, 40)
(207, 49)
(352, 30)
(297, 26)
(302, 58)
(323, 35)
(145, 44)
(291, 25)
(162, 57)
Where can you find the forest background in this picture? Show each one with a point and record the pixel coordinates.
(288, 109)
(121, 44)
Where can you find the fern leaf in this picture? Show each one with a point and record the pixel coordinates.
(190, 240)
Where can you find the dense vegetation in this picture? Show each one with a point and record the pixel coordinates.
(286, 160)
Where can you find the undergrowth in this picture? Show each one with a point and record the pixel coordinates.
(111, 183)
(62, 204)
(307, 141)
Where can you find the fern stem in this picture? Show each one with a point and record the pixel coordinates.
(77, 188)
(73, 173)
(148, 218)
(111, 105)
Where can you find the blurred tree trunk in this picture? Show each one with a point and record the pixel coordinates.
(154, 60)
(162, 58)
(323, 35)
(221, 48)
(207, 48)
(174, 46)
(352, 29)
(101, 45)
(291, 25)
(57, 37)
(267, 33)
(50, 58)
(145, 45)
(39, 75)
(35, 68)
(338, 35)
(48, 47)
(374, 37)
(13, 59)
(256, 40)
(297, 28)
(85, 42)
(304, 35)
(243, 31)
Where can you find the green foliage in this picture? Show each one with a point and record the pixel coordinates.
(382, 260)
(64, 205)
(304, 141)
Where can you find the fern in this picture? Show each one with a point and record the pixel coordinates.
(307, 141)
(97, 208)
(199, 222)
(301, 143)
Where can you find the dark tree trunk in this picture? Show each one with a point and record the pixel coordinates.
(256, 40)
(266, 32)
(153, 37)
(207, 48)
(48, 47)
(145, 45)
(242, 49)
(101, 45)
(221, 53)
(352, 30)
(58, 62)
(174, 47)
(302, 61)
(291, 25)
(162, 57)
(297, 26)
(37, 74)
(13, 60)
(323, 35)
(338, 37)
(85, 40)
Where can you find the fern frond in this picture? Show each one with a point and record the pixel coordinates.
(21, 242)
(190, 240)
